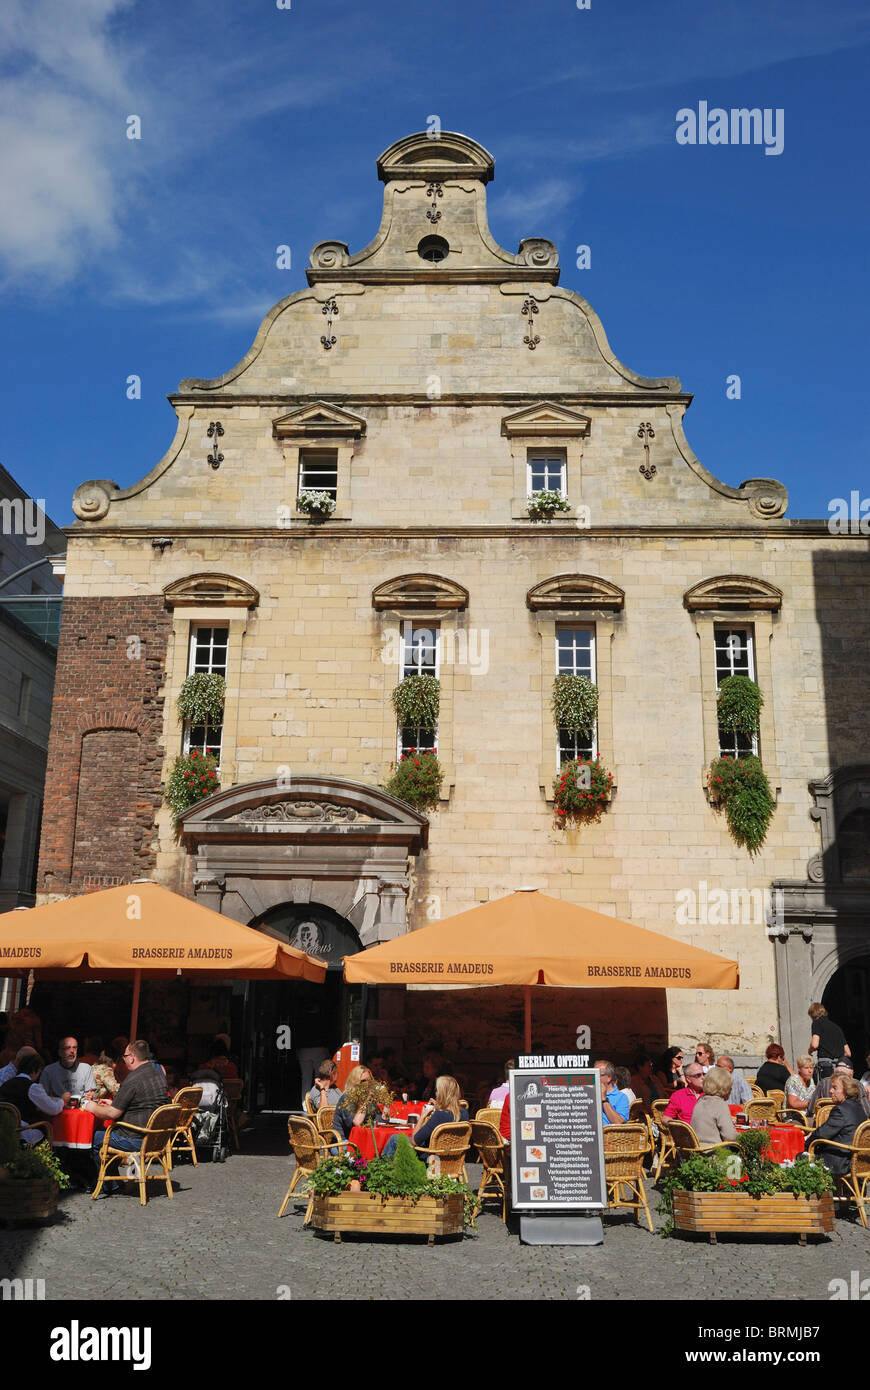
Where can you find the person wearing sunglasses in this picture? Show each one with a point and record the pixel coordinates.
(669, 1072)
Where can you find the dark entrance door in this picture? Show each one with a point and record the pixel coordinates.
(292, 1026)
(847, 1000)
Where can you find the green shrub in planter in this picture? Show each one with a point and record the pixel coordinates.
(582, 790)
(575, 703)
(201, 698)
(416, 700)
(417, 779)
(742, 786)
(738, 705)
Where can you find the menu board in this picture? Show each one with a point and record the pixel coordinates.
(557, 1153)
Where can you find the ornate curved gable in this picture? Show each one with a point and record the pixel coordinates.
(573, 591)
(319, 418)
(736, 592)
(451, 155)
(411, 591)
(212, 591)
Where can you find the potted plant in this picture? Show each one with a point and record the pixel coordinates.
(738, 705)
(741, 785)
(575, 703)
(201, 698)
(316, 505)
(416, 700)
(396, 1197)
(543, 505)
(417, 778)
(194, 775)
(33, 1176)
(581, 791)
(724, 1191)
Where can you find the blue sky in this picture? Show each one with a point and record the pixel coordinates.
(261, 126)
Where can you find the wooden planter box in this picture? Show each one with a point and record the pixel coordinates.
(27, 1199)
(781, 1213)
(370, 1214)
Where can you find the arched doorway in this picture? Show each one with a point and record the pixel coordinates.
(292, 1025)
(847, 1000)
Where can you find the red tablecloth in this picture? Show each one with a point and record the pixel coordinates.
(362, 1137)
(786, 1142)
(400, 1110)
(73, 1129)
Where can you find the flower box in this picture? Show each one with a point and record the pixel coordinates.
(778, 1214)
(364, 1213)
(27, 1199)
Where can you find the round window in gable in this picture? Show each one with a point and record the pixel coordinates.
(433, 248)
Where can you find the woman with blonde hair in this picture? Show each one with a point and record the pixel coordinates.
(443, 1110)
(711, 1118)
(352, 1109)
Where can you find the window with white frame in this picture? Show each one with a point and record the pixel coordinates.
(575, 656)
(419, 657)
(545, 469)
(318, 471)
(735, 656)
(208, 652)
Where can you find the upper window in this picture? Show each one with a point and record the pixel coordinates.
(318, 471)
(735, 656)
(433, 248)
(575, 656)
(546, 471)
(419, 658)
(208, 652)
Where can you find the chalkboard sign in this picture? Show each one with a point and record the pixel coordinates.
(557, 1153)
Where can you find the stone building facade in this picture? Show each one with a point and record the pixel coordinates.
(429, 382)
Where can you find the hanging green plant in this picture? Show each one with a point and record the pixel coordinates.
(543, 505)
(738, 705)
(193, 776)
(416, 700)
(201, 698)
(417, 779)
(741, 785)
(575, 703)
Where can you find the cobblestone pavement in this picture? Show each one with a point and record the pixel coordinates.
(221, 1238)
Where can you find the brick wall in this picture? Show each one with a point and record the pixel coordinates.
(105, 750)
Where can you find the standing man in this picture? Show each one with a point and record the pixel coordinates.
(682, 1103)
(741, 1091)
(614, 1105)
(68, 1074)
(139, 1095)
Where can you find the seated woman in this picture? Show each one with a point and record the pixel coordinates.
(842, 1122)
(669, 1072)
(775, 1072)
(447, 1111)
(799, 1087)
(105, 1081)
(711, 1118)
(352, 1108)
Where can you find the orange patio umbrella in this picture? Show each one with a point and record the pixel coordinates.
(529, 938)
(142, 928)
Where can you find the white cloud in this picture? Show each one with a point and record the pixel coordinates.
(532, 207)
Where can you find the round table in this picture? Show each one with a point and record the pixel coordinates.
(362, 1137)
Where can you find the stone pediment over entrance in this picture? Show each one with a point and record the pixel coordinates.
(306, 807)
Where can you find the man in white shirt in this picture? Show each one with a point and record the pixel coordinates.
(30, 1098)
(7, 1073)
(68, 1074)
(741, 1091)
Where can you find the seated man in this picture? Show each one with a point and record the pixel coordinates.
(68, 1075)
(614, 1105)
(682, 1103)
(31, 1099)
(139, 1095)
(12, 1068)
(741, 1091)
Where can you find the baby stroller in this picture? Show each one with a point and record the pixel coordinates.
(211, 1127)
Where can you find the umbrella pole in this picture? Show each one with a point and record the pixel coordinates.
(527, 1010)
(134, 1010)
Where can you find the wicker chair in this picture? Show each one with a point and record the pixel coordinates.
(778, 1098)
(449, 1144)
(852, 1185)
(665, 1150)
(309, 1146)
(323, 1119)
(182, 1140)
(757, 1093)
(307, 1106)
(637, 1112)
(10, 1109)
(821, 1111)
(686, 1141)
(624, 1150)
(489, 1115)
(760, 1110)
(796, 1117)
(233, 1088)
(157, 1137)
(490, 1147)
